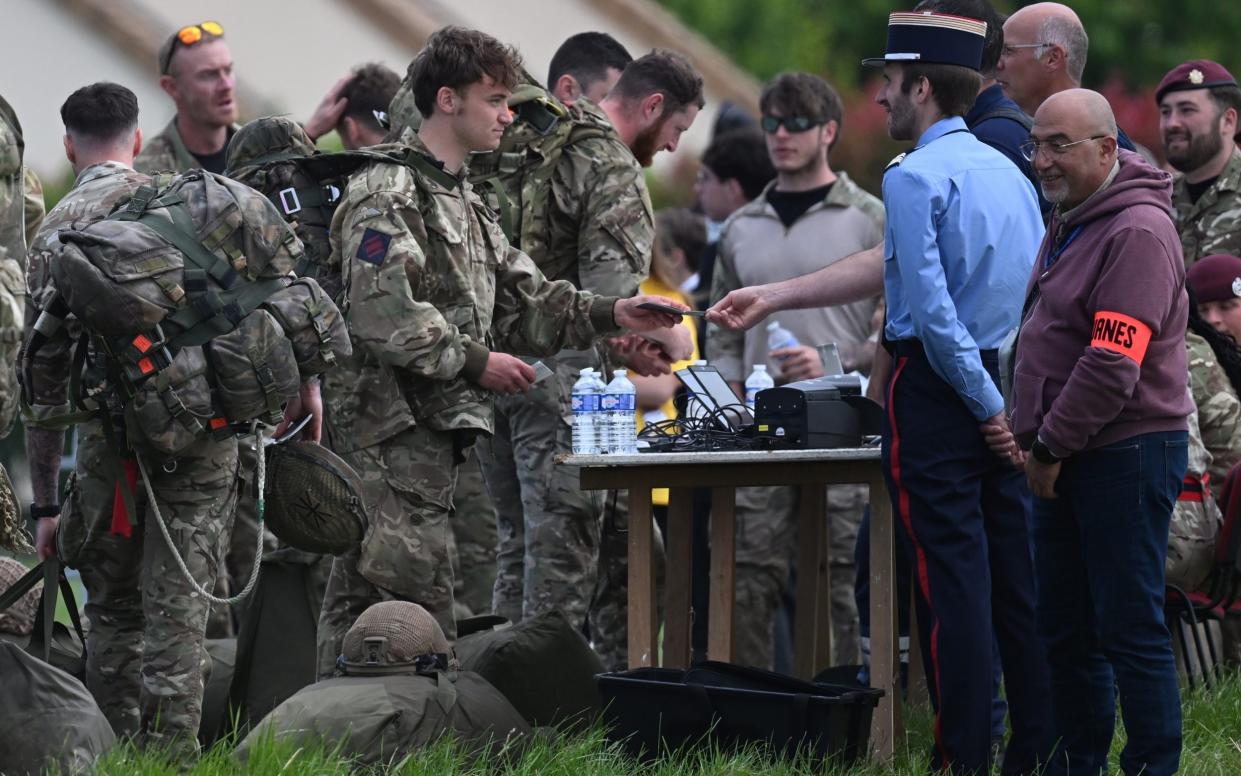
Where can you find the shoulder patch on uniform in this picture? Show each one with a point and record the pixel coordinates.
(374, 246)
(896, 161)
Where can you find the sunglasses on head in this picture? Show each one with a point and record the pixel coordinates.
(189, 36)
(792, 123)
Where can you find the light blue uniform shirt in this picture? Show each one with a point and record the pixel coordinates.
(963, 228)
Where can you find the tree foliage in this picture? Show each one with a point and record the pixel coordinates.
(1139, 40)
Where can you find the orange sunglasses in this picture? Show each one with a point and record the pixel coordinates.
(188, 36)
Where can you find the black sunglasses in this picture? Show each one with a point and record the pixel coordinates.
(792, 123)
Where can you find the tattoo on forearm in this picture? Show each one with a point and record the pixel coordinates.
(43, 449)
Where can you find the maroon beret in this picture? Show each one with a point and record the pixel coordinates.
(1195, 74)
(1215, 278)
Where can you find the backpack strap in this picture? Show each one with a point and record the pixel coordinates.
(1005, 112)
(210, 312)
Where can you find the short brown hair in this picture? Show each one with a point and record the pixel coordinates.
(456, 57)
(680, 227)
(371, 89)
(802, 94)
(661, 72)
(954, 88)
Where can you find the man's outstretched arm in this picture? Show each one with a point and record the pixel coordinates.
(857, 276)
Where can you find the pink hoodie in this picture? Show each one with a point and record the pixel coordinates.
(1101, 355)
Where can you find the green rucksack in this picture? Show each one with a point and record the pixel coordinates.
(542, 665)
(384, 716)
(188, 289)
(275, 156)
(515, 179)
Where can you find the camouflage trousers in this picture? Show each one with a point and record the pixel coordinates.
(766, 547)
(145, 655)
(473, 541)
(609, 609)
(548, 527)
(408, 482)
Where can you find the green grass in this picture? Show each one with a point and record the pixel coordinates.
(1212, 746)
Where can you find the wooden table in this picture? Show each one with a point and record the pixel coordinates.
(723, 473)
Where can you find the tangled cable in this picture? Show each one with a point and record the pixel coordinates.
(709, 431)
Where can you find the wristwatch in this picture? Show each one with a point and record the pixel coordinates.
(1042, 453)
(48, 510)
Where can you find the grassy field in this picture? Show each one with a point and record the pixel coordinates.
(1212, 746)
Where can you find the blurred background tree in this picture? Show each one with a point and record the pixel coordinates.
(1132, 44)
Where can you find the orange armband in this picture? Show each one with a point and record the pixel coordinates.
(1121, 334)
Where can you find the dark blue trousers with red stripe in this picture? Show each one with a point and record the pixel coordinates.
(965, 513)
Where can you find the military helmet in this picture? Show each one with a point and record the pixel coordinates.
(264, 137)
(313, 498)
(18, 619)
(394, 634)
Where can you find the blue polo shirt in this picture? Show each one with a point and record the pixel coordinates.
(963, 227)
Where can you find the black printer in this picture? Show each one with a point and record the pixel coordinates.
(824, 412)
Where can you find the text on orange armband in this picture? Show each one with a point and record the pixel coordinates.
(1121, 334)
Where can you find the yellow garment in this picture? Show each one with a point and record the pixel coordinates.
(655, 286)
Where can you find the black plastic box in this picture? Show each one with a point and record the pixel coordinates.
(652, 710)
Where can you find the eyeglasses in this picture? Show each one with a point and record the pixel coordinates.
(189, 36)
(1030, 149)
(1010, 49)
(792, 123)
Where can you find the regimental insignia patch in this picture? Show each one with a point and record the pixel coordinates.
(374, 246)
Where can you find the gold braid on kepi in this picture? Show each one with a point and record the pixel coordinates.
(313, 498)
(396, 634)
(19, 618)
(13, 536)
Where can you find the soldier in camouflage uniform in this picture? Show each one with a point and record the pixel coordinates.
(1199, 103)
(771, 239)
(144, 647)
(12, 258)
(597, 234)
(474, 538)
(433, 293)
(1219, 411)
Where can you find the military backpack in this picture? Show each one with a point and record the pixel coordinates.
(516, 178)
(189, 290)
(276, 157)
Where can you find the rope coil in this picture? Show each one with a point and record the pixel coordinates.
(261, 476)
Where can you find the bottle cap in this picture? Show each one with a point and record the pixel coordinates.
(773, 325)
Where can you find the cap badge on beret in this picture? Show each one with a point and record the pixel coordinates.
(1194, 74)
(1236, 286)
(933, 38)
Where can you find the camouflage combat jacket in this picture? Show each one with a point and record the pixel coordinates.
(1213, 223)
(600, 224)
(1219, 410)
(12, 259)
(95, 192)
(166, 152)
(431, 287)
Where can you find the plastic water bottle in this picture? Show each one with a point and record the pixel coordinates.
(780, 337)
(759, 380)
(586, 414)
(620, 400)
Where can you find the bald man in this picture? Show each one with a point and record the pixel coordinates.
(1045, 47)
(1100, 404)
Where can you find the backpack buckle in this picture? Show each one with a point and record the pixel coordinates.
(289, 201)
